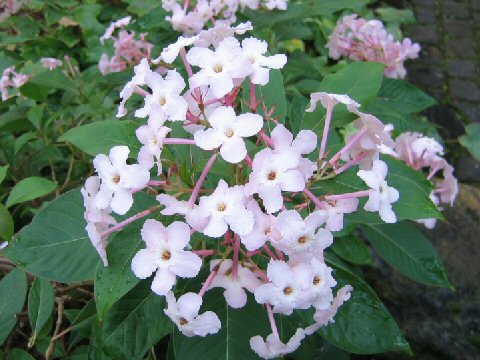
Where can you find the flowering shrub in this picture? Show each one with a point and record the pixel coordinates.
(214, 189)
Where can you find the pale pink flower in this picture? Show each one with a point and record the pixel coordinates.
(11, 80)
(227, 132)
(165, 255)
(220, 69)
(113, 26)
(276, 4)
(335, 212)
(329, 100)
(235, 287)
(381, 196)
(50, 63)
(273, 347)
(141, 70)
(118, 180)
(184, 313)
(224, 208)
(254, 49)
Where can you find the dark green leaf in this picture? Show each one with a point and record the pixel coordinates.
(359, 80)
(353, 249)
(41, 300)
(405, 95)
(407, 249)
(13, 290)
(6, 224)
(19, 354)
(3, 172)
(100, 137)
(54, 79)
(55, 245)
(29, 189)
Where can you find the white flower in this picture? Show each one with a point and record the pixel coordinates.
(98, 220)
(322, 283)
(336, 210)
(381, 196)
(50, 63)
(302, 237)
(234, 293)
(276, 4)
(152, 136)
(271, 174)
(115, 25)
(166, 93)
(330, 100)
(219, 68)
(254, 49)
(184, 313)
(273, 346)
(118, 180)
(227, 132)
(190, 125)
(225, 207)
(170, 53)
(141, 70)
(288, 287)
(265, 228)
(164, 255)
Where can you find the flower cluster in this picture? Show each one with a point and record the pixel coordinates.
(128, 50)
(368, 40)
(10, 81)
(190, 18)
(265, 209)
(50, 63)
(421, 152)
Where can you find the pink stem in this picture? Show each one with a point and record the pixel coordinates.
(177, 141)
(253, 253)
(200, 181)
(204, 252)
(272, 320)
(326, 129)
(183, 54)
(248, 160)
(236, 251)
(210, 102)
(209, 281)
(353, 195)
(253, 96)
(348, 145)
(156, 183)
(266, 139)
(353, 162)
(269, 252)
(315, 200)
(280, 254)
(262, 274)
(124, 223)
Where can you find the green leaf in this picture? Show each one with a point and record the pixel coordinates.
(100, 137)
(19, 354)
(352, 249)
(13, 290)
(135, 323)
(232, 341)
(23, 140)
(55, 244)
(406, 96)
(359, 80)
(414, 202)
(54, 79)
(471, 140)
(41, 300)
(29, 189)
(35, 115)
(407, 249)
(363, 324)
(6, 224)
(3, 172)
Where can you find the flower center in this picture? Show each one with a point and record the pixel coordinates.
(162, 101)
(268, 231)
(302, 239)
(221, 207)
(183, 321)
(288, 290)
(252, 59)
(218, 68)
(316, 280)
(166, 255)
(272, 175)
(229, 133)
(116, 179)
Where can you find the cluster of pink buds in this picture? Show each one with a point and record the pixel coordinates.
(10, 7)
(421, 152)
(266, 209)
(368, 40)
(128, 50)
(190, 18)
(10, 82)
